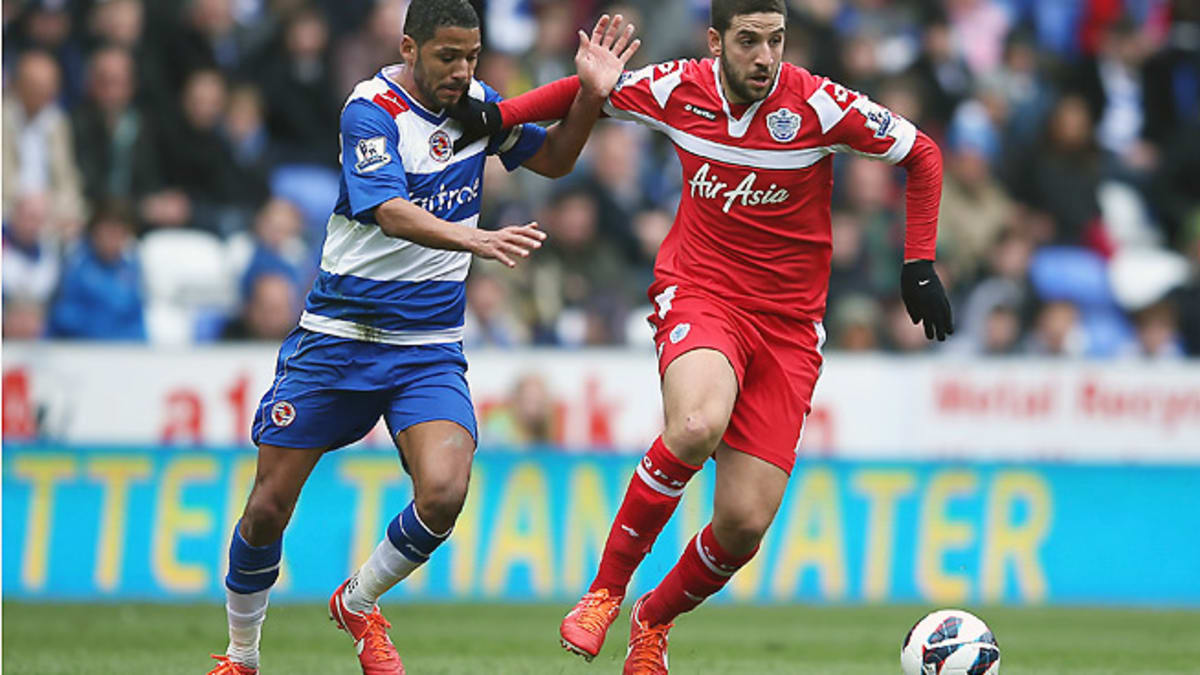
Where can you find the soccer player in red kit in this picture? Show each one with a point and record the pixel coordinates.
(739, 294)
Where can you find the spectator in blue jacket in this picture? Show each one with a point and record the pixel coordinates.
(100, 297)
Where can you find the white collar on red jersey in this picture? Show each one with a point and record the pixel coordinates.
(739, 127)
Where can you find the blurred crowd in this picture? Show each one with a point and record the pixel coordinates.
(169, 166)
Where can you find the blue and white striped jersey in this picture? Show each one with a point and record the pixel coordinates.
(377, 288)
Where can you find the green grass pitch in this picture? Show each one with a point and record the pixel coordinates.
(49, 639)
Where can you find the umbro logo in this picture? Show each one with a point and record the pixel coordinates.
(701, 112)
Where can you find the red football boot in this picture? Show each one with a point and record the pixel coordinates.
(376, 653)
(582, 631)
(225, 666)
(647, 653)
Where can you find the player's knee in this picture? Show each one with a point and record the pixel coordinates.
(739, 533)
(694, 437)
(439, 502)
(265, 517)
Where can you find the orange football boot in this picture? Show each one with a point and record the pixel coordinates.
(225, 666)
(585, 626)
(647, 653)
(376, 653)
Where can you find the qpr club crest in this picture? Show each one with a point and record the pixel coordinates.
(440, 147)
(783, 125)
(679, 332)
(283, 413)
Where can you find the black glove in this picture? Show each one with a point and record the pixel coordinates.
(479, 119)
(925, 299)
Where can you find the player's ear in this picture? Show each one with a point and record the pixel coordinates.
(714, 42)
(409, 49)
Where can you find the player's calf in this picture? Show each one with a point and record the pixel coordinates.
(653, 493)
(703, 569)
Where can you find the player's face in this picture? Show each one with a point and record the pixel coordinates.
(444, 65)
(750, 53)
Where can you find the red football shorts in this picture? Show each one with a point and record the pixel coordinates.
(776, 359)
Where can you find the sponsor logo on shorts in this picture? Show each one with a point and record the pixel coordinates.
(679, 332)
(440, 147)
(283, 413)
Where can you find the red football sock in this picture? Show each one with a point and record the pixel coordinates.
(651, 498)
(703, 569)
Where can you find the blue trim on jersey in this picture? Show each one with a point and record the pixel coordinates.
(388, 305)
(421, 111)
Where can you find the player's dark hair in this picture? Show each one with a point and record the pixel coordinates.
(723, 11)
(425, 17)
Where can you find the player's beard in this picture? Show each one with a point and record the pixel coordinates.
(422, 80)
(737, 83)
(429, 93)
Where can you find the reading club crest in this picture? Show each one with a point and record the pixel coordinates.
(440, 147)
(784, 125)
(283, 413)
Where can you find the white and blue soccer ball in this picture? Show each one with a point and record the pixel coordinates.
(950, 642)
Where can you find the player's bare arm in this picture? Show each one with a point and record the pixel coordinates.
(402, 219)
(600, 60)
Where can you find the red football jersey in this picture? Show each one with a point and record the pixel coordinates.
(753, 226)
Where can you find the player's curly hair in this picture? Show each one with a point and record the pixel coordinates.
(723, 11)
(426, 16)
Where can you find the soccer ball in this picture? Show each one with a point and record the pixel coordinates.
(950, 642)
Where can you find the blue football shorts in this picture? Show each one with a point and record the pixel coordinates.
(329, 391)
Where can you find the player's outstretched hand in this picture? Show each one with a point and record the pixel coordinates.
(601, 58)
(925, 299)
(509, 244)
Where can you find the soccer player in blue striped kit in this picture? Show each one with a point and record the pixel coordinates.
(381, 332)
